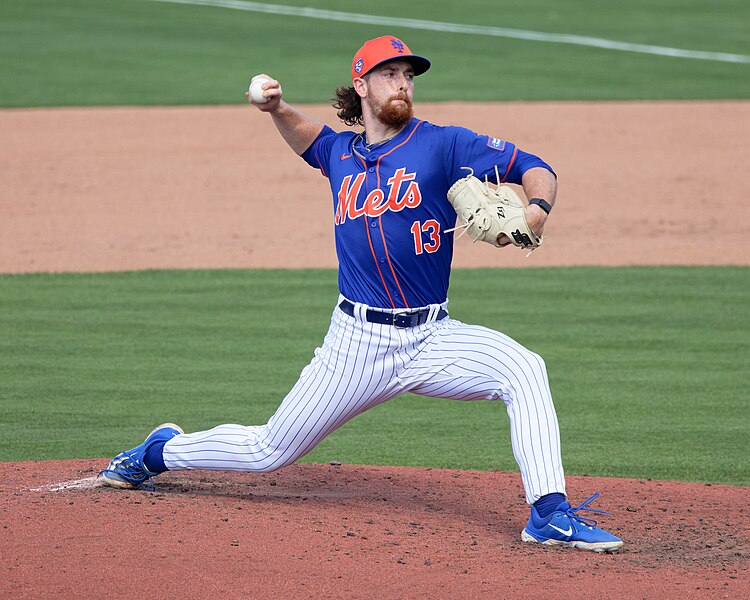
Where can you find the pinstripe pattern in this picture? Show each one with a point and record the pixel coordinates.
(361, 365)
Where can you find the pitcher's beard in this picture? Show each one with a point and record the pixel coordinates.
(396, 114)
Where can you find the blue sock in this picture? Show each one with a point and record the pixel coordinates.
(546, 505)
(154, 458)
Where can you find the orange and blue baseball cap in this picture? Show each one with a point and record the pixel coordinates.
(380, 50)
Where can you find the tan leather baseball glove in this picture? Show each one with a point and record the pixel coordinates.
(486, 213)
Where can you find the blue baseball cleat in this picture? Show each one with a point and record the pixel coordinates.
(126, 470)
(565, 528)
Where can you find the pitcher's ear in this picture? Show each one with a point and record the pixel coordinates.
(360, 86)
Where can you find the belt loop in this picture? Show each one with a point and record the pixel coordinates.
(360, 312)
(432, 315)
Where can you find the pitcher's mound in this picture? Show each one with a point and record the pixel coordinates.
(342, 531)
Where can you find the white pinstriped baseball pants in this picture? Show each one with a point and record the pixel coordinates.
(362, 364)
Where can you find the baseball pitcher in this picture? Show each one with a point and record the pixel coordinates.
(402, 189)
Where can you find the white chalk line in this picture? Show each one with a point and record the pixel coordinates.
(74, 484)
(520, 34)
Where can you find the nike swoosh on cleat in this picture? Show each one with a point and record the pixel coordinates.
(565, 532)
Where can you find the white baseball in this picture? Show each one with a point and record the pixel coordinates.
(256, 91)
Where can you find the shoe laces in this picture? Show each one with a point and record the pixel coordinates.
(584, 506)
(134, 473)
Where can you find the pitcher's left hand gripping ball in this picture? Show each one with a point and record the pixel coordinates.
(487, 213)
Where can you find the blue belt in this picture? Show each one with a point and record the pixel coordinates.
(401, 319)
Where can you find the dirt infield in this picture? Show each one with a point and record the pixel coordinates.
(120, 189)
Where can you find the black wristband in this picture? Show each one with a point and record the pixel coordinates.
(543, 204)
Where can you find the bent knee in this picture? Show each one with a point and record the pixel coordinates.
(277, 457)
(270, 467)
(537, 361)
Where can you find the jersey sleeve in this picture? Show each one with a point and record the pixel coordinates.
(318, 155)
(482, 153)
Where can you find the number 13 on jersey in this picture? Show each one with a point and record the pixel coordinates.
(431, 229)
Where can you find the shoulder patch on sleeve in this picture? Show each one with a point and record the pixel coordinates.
(496, 143)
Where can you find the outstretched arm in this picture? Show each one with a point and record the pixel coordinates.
(297, 129)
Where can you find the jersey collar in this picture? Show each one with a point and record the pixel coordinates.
(367, 152)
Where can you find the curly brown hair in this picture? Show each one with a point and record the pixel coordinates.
(349, 105)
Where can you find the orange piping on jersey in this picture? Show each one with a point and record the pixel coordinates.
(390, 264)
(380, 222)
(372, 249)
(510, 164)
(397, 147)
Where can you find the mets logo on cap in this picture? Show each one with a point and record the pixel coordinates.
(380, 50)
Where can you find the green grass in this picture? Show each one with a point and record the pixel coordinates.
(648, 366)
(95, 52)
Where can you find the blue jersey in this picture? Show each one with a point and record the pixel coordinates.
(391, 208)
